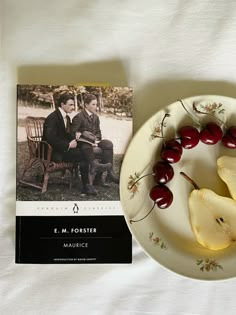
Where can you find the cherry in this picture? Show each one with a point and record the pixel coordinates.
(189, 137)
(162, 197)
(232, 131)
(171, 151)
(175, 145)
(163, 172)
(229, 139)
(211, 133)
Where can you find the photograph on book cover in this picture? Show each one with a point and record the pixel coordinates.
(71, 141)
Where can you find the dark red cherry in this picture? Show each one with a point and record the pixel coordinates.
(232, 131)
(171, 151)
(162, 196)
(174, 145)
(189, 137)
(170, 156)
(229, 139)
(163, 172)
(211, 134)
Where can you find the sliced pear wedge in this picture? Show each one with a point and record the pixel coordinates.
(212, 217)
(226, 168)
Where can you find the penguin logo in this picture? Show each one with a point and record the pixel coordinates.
(75, 208)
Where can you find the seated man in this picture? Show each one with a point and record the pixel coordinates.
(57, 133)
(88, 121)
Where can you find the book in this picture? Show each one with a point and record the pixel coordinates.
(68, 206)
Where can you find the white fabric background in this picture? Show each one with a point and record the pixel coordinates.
(164, 49)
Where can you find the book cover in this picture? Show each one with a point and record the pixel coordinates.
(71, 141)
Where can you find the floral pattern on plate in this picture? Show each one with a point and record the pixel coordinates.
(157, 130)
(157, 241)
(208, 265)
(212, 108)
(133, 184)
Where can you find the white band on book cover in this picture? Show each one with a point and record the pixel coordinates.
(68, 208)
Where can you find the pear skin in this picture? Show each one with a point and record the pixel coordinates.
(226, 168)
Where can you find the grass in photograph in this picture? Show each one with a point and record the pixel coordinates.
(58, 188)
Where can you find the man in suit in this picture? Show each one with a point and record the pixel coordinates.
(58, 134)
(88, 121)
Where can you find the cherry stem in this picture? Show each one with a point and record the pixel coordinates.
(131, 221)
(190, 180)
(205, 113)
(193, 118)
(162, 126)
(137, 180)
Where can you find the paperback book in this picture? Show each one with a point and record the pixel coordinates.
(71, 141)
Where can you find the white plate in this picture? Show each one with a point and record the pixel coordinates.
(165, 234)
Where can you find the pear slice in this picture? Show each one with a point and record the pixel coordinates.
(226, 168)
(212, 217)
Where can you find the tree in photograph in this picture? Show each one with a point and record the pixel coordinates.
(115, 100)
(118, 100)
(36, 95)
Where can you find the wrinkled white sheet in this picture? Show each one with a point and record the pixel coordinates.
(165, 50)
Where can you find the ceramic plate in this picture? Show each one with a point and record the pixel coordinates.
(166, 234)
